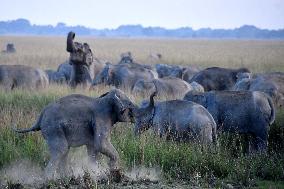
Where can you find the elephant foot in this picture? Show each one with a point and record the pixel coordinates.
(116, 175)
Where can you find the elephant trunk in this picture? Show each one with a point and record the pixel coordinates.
(152, 103)
(70, 44)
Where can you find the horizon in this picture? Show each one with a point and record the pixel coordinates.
(66, 25)
(110, 14)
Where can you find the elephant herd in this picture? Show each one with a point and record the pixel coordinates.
(201, 102)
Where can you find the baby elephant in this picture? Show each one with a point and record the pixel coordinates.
(178, 120)
(244, 112)
(77, 120)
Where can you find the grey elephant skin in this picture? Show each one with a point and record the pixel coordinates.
(55, 77)
(178, 120)
(216, 78)
(165, 70)
(270, 83)
(20, 76)
(170, 87)
(66, 70)
(77, 120)
(189, 72)
(124, 75)
(243, 112)
(81, 59)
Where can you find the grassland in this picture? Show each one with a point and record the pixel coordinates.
(177, 162)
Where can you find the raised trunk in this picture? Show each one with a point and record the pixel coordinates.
(70, 44)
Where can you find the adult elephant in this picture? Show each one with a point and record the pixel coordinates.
(77, 120)
(124, 75)
(216, 78)
(243, 112)
(170, 87)
(21, 76)
(270, 83)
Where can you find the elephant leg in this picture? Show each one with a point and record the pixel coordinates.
(58, 148)
(108, 150)
(63, 169)
(93, 153)
(259, 144)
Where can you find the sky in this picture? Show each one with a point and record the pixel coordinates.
(165, 13)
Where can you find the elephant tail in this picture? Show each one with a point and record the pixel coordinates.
(272, 114)
(214, 129)
(35, 127)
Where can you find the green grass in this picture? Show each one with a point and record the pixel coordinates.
(177, 160)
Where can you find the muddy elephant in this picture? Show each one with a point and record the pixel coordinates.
(124, 75)
(77, 120)
(216, 78)
(270, 83)
(81, 59)
(24, 77)
(170, 87)
(243, 112)
(178, 120)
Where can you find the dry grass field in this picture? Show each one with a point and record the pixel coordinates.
(22, 157)
(49, 52)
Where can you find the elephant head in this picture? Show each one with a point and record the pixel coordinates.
(79, 53)
(81, 58)
(126, 58)
(123, 107)
(144, 116)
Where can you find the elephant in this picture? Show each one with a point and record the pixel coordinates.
(81, 59)
(77, 120)
(66, 70)
(21, 76)
(216, 78)
(10, 48)
(165, 70)
(55, 77)
(170, 87)
(154, 57)
(270, 83)
(124, 75)
(243, 112)
(126, 58)
(178, 120)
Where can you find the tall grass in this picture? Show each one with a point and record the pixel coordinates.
(177, 160)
